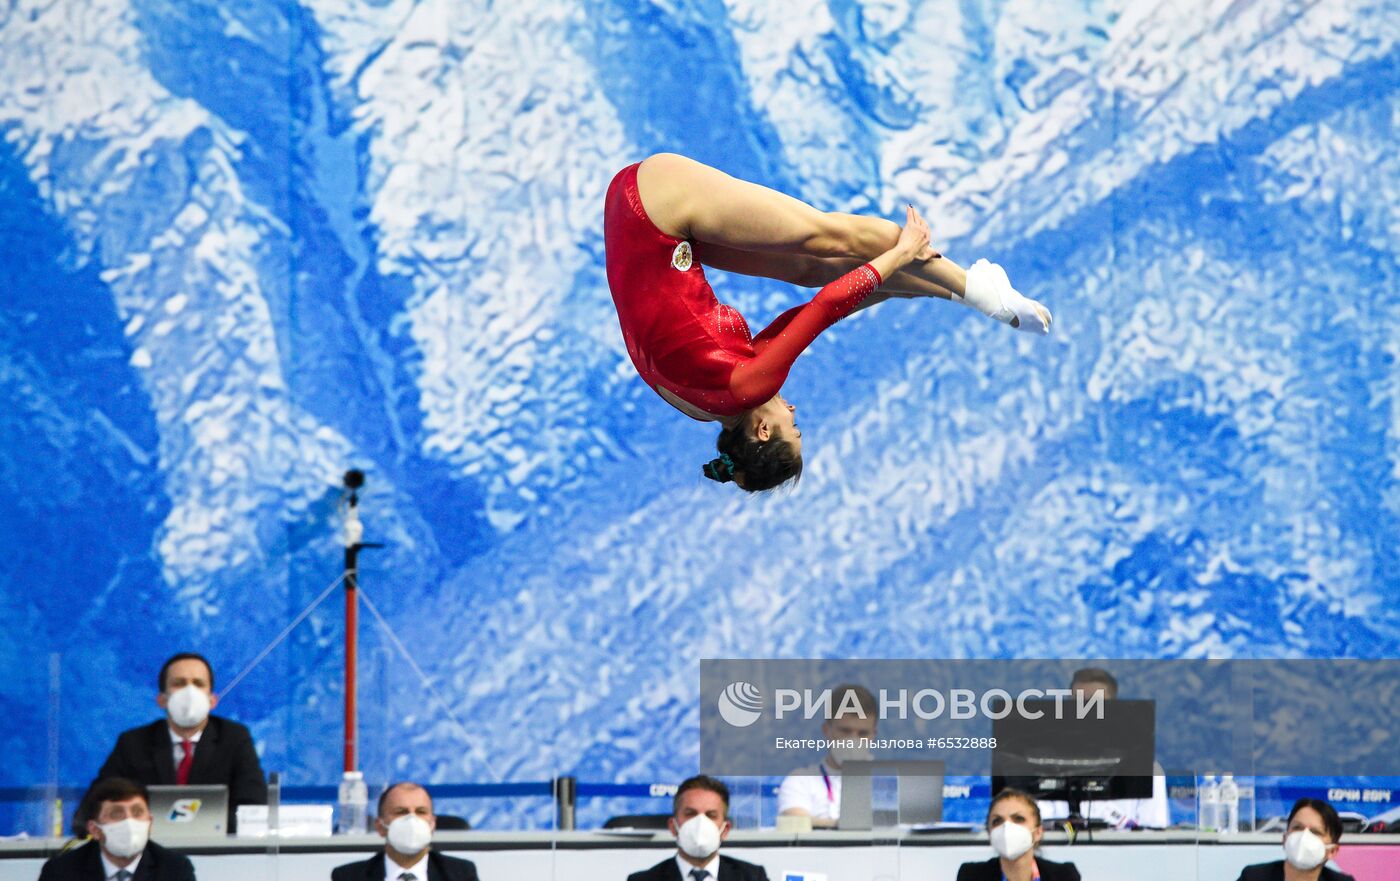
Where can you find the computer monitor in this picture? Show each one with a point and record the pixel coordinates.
(918, 786)
(1076, 760)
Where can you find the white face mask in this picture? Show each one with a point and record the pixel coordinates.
(188, 707)
(409, 834)
(1011, 840)
(125, 838)
(699, 837)
(1304, 850)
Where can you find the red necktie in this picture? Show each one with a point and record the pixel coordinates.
(182, 773)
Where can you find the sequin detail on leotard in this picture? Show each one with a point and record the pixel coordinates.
(725, 321)
(861, 283)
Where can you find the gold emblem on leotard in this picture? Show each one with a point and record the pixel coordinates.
(681, 257)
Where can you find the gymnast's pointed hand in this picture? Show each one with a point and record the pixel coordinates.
(913, 238)
(912, 242)
(927, 252)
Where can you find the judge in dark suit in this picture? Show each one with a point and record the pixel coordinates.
(120, 825)
(700, 821)
(189, 746)
(1013, 820)
(1311, 838)
(406, 819)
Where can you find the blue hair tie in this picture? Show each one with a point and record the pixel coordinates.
(713, 469)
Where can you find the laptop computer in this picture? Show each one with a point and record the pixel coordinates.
(888, 793)
(182, 812)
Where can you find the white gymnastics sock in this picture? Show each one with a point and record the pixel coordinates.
(989, 291)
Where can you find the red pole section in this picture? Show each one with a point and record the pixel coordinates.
(351, 627)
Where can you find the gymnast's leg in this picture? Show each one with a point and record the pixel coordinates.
(687, 199)
(812, 272)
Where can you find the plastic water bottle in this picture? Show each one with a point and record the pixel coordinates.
(1229, 805)
(1248, 806)
(354, 804)
(1207, 804)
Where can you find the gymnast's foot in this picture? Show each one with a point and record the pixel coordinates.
(989, 291)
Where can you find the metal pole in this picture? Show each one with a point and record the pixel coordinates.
(352, 553)
(354, 531)
(54, 826)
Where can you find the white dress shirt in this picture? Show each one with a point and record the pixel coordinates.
(392, 870)
(712, 867)
(806, 788)
(110, 869)
(1148, 813)
(179, 751)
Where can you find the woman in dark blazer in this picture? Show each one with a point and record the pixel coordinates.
(1013, 821)
(1310, 839)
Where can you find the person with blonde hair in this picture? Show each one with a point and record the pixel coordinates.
(1013, 823)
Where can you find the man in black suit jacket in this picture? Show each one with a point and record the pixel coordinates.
(1310, 818)
(190, 746)
(700, 821)
(119, 826)
(405, 817)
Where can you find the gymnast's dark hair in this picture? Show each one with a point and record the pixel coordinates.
(759, 465)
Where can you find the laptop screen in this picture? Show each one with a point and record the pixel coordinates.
(182, 812)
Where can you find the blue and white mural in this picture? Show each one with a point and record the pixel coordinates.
(245, 246)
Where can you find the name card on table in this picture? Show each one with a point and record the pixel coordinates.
(293, 821)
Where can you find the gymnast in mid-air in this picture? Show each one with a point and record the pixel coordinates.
(667, 216)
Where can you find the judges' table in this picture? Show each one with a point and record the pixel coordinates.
(841, 856)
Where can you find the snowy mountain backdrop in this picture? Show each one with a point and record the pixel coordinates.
(246, 246)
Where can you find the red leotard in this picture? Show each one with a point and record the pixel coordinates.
(680, 337)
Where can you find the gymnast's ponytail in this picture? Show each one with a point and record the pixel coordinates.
(753, 464)
(720, 470)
